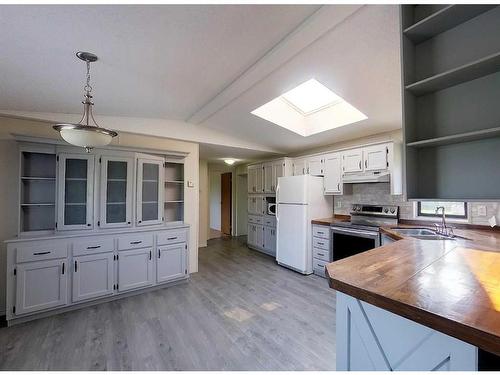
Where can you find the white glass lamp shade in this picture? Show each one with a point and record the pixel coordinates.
(85, 136)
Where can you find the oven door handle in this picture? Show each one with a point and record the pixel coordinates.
(356, 232)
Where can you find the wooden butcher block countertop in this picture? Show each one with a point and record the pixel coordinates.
(452, 286)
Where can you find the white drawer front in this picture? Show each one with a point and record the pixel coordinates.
(259, 220)
(270, 222)
(170, 237)
(135, 241)
(252, 219)
(321, 254)
(93, 246)
(321, 231)
(41, 250)
(321, 243)
(319, 266)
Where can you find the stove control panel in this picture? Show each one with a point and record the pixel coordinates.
(375, 210)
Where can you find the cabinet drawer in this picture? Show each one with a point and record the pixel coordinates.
(319, 267)
(270, 221)
(321, 254)
(321, 231)
(135, 241)
(321, 243)
(170, 237)
(252, 219)
(41, 250)
(93, 246)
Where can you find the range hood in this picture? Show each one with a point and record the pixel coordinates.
(358, 178)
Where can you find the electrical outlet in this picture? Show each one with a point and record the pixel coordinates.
(481, 210)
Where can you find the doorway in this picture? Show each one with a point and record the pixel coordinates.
(226, 203)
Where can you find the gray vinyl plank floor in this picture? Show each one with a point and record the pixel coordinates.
(241, 311)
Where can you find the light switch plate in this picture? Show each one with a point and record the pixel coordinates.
(481, 210)
(190, 184)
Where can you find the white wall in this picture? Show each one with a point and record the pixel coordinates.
(215, 199)
(8, 205)
(204, 211)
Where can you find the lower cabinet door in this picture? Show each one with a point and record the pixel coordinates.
(251, 235)
(171, 262)
(259, 236)
(41, 285)
(92, 276)
(135, 269)
(269, 240)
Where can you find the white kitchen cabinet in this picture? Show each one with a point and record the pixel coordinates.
(375, 157)
(75, 191)
(315, 165)
(259, 236)
(41, 285)
(251, 235)
(352, 160)
(256, 178)
(92, 276)
(117, 176)
(269, 179)
(299, 166)
(171, 262)
(251, 179)
(150, 183)
(279, 170)
(270, 240)
(332, 181)
(135, 269)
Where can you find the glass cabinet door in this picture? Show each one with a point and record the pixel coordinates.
(116, 191)
(149, 191)
(75, 189)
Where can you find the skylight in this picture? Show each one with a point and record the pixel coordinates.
(310, 96)
(308, 109)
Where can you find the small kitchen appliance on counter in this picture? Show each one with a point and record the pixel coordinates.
(362, 232)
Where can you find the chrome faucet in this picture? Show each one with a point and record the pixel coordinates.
(442, 228)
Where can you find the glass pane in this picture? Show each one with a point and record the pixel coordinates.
(76, 168)
(451, 208)
(149, 211)
(150, 171)
(75, 191)
(116, 192)
(150, 191)
(116, 213)
(117, 170)
(75, 214)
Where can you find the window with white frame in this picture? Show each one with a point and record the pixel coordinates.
(457, 210)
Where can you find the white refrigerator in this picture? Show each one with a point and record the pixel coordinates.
(300, 199)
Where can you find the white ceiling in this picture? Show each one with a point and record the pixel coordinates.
(210, 65)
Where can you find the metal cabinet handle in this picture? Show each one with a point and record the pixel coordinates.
(360, 164)
(159, 253)
(320, 243)
(63, 266)
(42, 253)
(93, 247)
(150, 255)
(76, 266)
(338, 186)
(135, 242)
(171, 238)
(366, 164)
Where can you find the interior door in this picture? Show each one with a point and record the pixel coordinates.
(135, 269)
(226, 203)
(149, 191)
(171, 262)
(41, 285)
(76, 192)
(92, 276)
(116, 192)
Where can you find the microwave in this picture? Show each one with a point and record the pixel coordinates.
(271, 209)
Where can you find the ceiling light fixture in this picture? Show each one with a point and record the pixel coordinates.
(85, 134)
(229, 161)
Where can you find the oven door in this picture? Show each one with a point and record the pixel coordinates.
(349, 241)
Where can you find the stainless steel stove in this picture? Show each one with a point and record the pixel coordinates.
(362, 232)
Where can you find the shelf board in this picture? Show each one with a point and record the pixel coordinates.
(26, 178)
(37, 204)
(155, 181)
(115, 203)
(75, 204)
(75, 179)
(444, 19)
(117, 179)
(174, 201)
(149, 202)
(476, 69)
(174, 182)
(457, 138)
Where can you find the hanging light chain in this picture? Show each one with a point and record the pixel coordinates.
(88, 87)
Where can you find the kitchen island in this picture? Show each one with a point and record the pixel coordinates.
(419, 304)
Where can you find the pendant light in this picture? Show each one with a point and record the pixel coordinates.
(84, 133)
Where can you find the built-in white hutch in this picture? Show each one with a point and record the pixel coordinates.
(94, 227)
